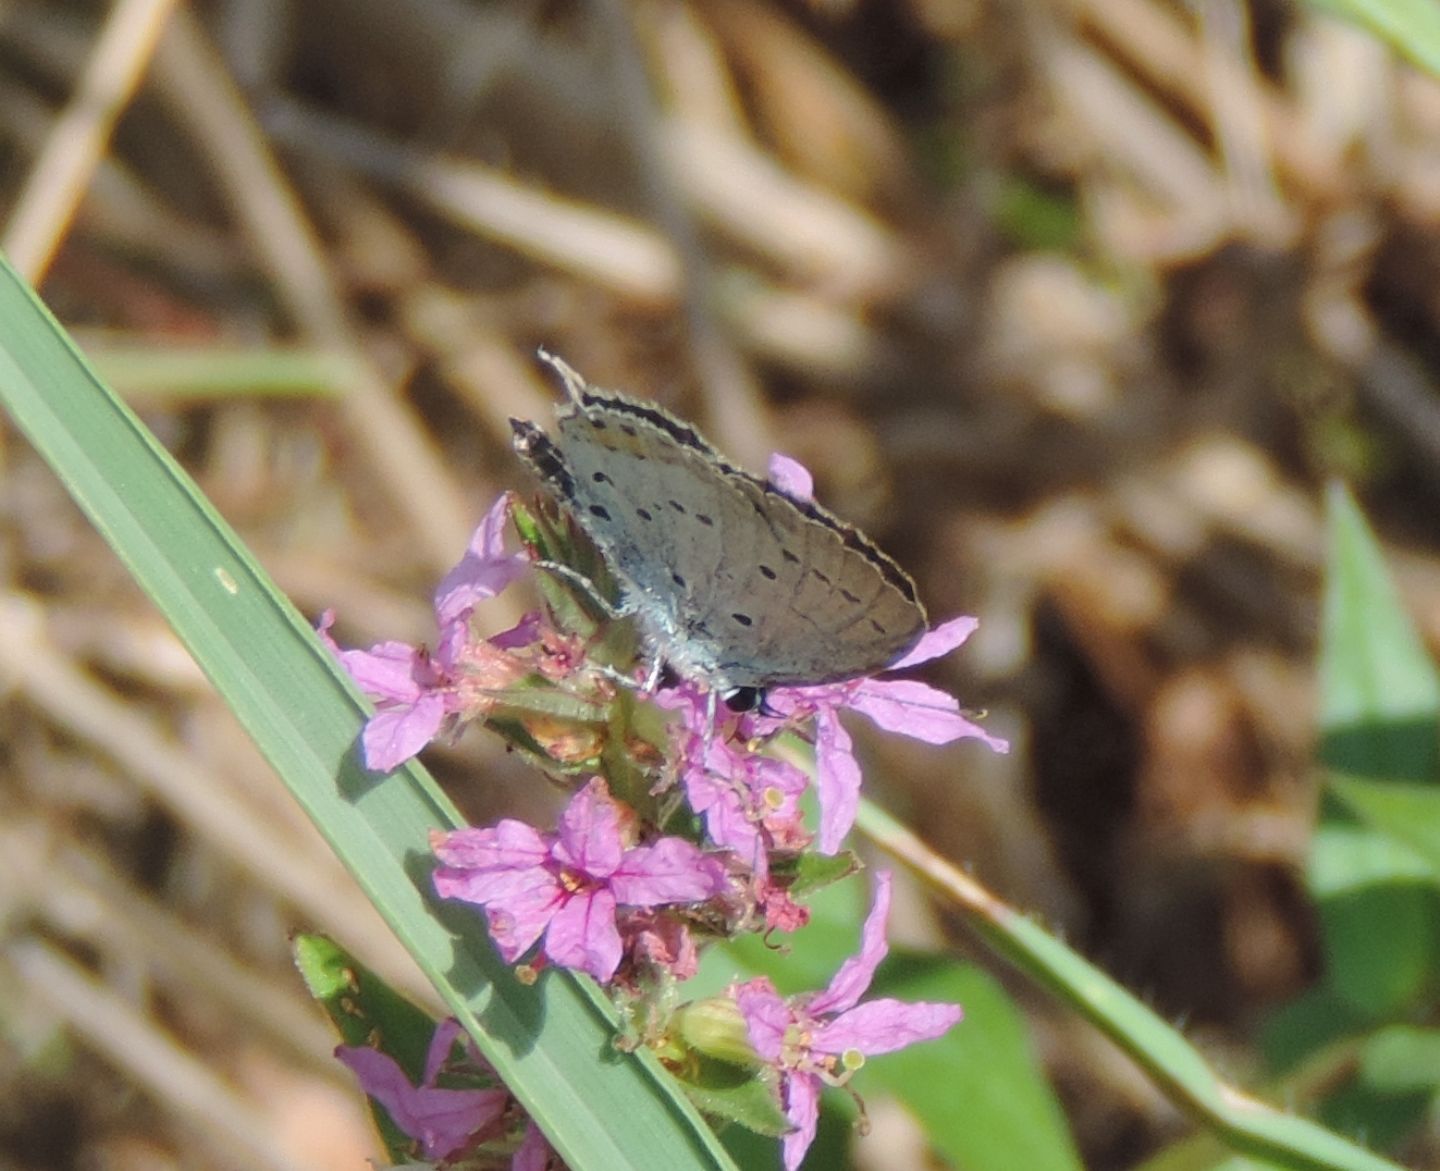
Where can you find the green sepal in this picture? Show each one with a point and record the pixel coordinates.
(811, 872)
(729, 1094)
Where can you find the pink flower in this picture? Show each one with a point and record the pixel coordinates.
(750, 802)
(568, 886)
(419, 693)
(484, 571)
(898, 705)
(822, 1038)
(748, 799)
(414, 690)
(443, 1121)
(906, 706)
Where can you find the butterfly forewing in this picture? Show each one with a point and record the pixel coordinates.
(734, 583)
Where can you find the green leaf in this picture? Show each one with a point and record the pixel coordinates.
(1249, 1126)
(551, 1043)
(1406, 813)
(978, 1090)
(1402, 1059)
(1376, 858)
(813, 872)
(1319, 1018)
(361, 1005)
(1411, 26)
(1380, 694)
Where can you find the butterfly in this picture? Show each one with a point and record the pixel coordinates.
(733, 583)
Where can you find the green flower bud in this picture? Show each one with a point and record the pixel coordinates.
(715, 1029)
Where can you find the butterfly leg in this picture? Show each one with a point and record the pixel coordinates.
(712, 699)
(587, 587)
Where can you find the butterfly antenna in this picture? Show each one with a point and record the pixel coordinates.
(574, 384)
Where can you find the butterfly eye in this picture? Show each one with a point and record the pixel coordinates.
(745, 699)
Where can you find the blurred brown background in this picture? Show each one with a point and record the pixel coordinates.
(1073, 304)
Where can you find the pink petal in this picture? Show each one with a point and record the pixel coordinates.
(508, 844)
(392, 737)
(442, 1120)
(766, 1016)
(534, 1151)
(388, 670)
(484, 571)
(855, 974)
(791, 477)
(523, 633)
(519, 904)
(451, 643)
(583, 935)
(588, 835)
(519, 918)
(837, 780)
(503, 870)
(379, 1075)
(729, 827)
(441, 1043)
(529, 888)
(802, 1108)
(323, 625)
(917, 710)
(940, 641)
(882, 1026)
(671, 870)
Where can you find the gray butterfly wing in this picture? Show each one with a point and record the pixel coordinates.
(733, 582)
(829, 605)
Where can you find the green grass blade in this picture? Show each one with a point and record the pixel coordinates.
(551, 1043)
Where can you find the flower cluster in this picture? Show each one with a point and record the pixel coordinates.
(698, 836)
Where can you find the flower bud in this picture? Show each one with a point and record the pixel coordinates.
(715, 1029)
